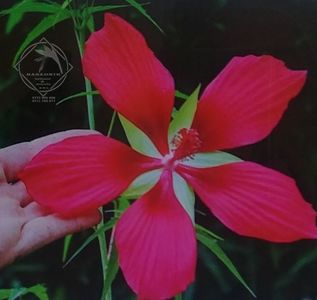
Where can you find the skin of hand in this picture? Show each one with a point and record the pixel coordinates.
(24, 225)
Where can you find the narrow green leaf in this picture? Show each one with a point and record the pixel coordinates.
(101, 8)
(203, 230)
(67, 242)
(91, 24)
(185, 115)
(211, 159)
(138, 139)
(103, 228)
(139, 8)
(305, 260)
(7, 80)
(16, 12)
(32, 6)
(180, 95)
(112, 271)
(16, 293)
(78, 95)
(213, 246)
(66, 3)
(39, 291)
(142, 184)
(184, 195)
(13, 8)
(40, 28)
(5, 294)
(14, 19)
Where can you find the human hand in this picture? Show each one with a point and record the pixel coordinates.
(24, 225)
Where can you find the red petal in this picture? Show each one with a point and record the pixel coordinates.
(82, 173)
(156, 243)
(245, 102)
(254, 201)
(130, 78)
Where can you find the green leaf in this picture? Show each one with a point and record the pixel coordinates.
(16, 12)
(142, 184)
(185, 115)
(138, 140)
(139, 8)
(78, 95)
(12, 294)
(112, 271)
(5, 294)
(39, 291)
(305, 260)
(66, 3)
(203, 230)
(40, 28)
(13, 19)
(213, 246)
(123, 204)
(7, 80)
(67, 242)
(211, 159)
(91, 24)
(101, 8)
(17, 293)
(181, 95)
(94, 235)
(185, 195)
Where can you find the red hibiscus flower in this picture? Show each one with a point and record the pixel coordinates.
(155, 236)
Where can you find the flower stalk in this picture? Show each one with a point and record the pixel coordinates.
(80, 38)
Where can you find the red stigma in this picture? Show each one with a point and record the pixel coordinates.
(186, 143)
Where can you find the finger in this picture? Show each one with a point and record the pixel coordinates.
(9, 208)
(44, 230)
(3, 178)
(16, 192)
(14, 158)
(21, 193)
(33, 211)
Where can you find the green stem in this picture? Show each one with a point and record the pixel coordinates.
(113, 118)
(103, 255)
(90, 105)
(80, 37)
(178, 297)
(113, 230)
(108, 296)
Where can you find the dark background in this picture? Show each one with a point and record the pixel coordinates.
(200, 38)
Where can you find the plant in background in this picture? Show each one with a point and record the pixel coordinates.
(155, 236)
(38, 291)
